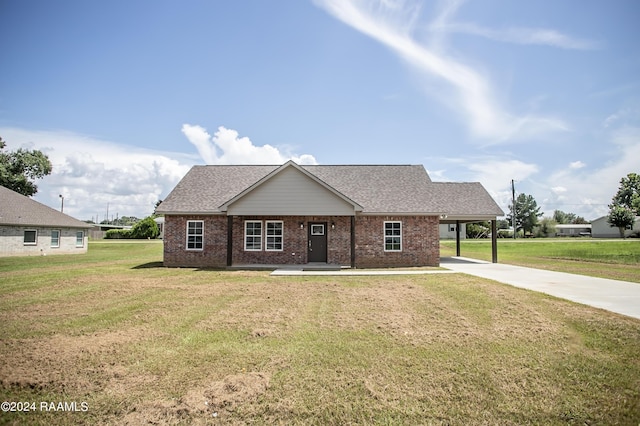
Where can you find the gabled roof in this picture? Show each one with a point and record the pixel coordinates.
(377, 189)
(16, 209)
(288, 164)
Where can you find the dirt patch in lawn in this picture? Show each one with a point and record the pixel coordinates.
(217, 400)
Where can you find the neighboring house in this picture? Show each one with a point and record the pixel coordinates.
(448, 231)
(573, 230)
(600, 228)
(358, 216)
(28, 227)
(160, 222)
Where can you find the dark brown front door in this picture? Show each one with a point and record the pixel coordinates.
(317, 242)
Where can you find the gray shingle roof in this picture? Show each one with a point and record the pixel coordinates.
(393, 189)
(16, 209)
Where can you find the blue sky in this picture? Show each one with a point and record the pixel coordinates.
(126, 96)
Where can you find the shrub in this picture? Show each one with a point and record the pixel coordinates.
(146, 228)
(117, 234)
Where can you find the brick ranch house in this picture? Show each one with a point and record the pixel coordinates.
(29, 228)
(357, 216)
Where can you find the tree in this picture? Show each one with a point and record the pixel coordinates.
(146, 228)
(621, 217)
(625, 205)
(628, 194)
(20, 168)
(547, 227)
(527, 213)
(562, 218)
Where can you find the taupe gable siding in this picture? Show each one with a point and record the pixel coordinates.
(291, 193)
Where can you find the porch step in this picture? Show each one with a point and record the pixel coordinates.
(321, 267)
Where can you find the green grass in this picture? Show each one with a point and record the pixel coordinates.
(144, 344)
(614, 259)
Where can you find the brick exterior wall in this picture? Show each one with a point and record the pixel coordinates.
(12, 241)
(214, 254)
(295, 240)
(420, 241)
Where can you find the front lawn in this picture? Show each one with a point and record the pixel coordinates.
(139, 343)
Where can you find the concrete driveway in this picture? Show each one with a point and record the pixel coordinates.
(616, 296)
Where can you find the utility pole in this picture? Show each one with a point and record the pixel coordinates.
(513, 209)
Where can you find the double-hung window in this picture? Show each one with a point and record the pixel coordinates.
(393, 236)
(253, 235)
(55, 238)
(195, 235)
(80, 239)
(30, 237)
(273, 235)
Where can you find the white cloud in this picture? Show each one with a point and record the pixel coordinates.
(226, 147)
(463, 88)
(589, 191)
(576, 165)
(91, 173)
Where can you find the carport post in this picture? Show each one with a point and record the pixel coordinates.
(494, 242)
(458, 238)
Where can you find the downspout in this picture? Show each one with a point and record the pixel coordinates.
(229, 240)
(353, 241)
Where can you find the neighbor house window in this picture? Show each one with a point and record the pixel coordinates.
(30, 237)
(274, 235)
(195, 235)
(55, 238)
(253, 235)
(80, 239)
(393, 236)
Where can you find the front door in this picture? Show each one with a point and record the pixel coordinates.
(317, 242)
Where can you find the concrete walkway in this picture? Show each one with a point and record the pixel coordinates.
(616, 296)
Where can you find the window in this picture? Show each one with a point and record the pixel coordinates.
(253, 235)
(317, 229)
(30, 237)
(80, 239)
(274, 236)
(195, 235)
(393, 236)
(55, 238)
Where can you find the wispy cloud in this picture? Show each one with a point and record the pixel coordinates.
(520, 35)
(462, 87)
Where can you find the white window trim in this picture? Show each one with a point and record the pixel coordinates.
(186, 244)
(35, 242)
(59, 236)
(266, 236)
(384, 231)
(318, 225)
(262, 229)
(81, 244)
